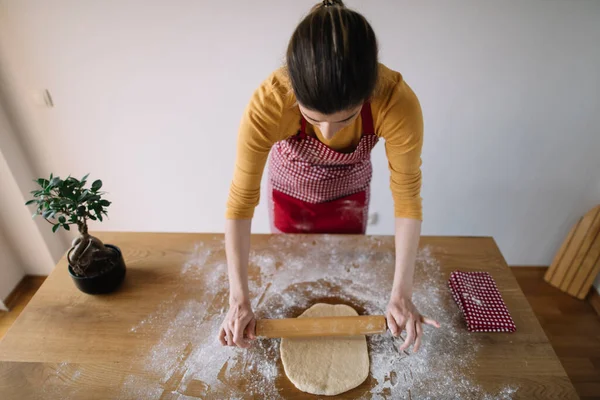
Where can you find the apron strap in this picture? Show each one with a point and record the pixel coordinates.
(367, 119)
(302, 132)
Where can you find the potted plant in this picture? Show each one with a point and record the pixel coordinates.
(94, 266)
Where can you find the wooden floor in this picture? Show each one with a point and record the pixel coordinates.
(572, 326)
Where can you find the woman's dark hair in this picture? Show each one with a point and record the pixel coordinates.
(332, 59)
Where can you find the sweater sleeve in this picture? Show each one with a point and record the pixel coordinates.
(258, 132)
(402, 128)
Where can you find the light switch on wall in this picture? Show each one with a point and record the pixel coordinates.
(373, 218)
(42, 98)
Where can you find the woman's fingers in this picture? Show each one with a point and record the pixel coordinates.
(238, 327)
(229, 336)
(250, 329)
(410, 335)
(394, 328)
(238, 334)
(430, 321)
(403, 315)
(222, 338)
(419, 336)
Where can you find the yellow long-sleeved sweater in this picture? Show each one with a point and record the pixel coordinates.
(273, 115)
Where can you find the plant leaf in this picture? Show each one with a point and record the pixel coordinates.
(67, 227)
(96, 185)
(84, 195)
(30, 202)
(85, 177)
(70, 195)
(62, 219)
(55, 227)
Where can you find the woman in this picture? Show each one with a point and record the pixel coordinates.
(319, 118)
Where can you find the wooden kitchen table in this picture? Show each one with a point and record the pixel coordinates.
(155, 337)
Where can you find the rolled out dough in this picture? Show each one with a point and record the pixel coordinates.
(327, 365)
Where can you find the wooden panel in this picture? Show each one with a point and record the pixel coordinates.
(74, 345)
(591, 264)
(587, 261)
(594, 299)
(577, 262)
(559, 266)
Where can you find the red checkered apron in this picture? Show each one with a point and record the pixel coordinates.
(314, 189)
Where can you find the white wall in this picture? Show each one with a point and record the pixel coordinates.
(33, 246)
(28, 248)
(10, 271)
(148, 96)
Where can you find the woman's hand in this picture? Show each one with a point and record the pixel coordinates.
(402, 314)
(238, 327)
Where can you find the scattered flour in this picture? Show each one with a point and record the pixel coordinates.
(55, 377)
(191, 363)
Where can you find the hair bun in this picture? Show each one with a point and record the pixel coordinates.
(327, 4)
(332, 3)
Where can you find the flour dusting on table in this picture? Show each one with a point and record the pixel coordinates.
(191, 364)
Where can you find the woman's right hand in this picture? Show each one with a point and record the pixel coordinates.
(238, 327)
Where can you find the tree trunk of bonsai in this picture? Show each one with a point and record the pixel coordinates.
(86, 249)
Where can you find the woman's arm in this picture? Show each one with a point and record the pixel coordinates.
(408, 232)
(239, 323)
(259, 130)
(399, 120)
(401, 313)
(237, 248)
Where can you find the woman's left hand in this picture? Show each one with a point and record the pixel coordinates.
(402, 314)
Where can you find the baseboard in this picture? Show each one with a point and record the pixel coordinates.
(26, 282)
(11, 299)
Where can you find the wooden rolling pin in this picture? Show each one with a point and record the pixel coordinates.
(322, 326)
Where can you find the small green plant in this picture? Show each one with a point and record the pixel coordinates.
(67, 202)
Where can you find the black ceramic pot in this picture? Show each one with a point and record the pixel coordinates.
(106, 282)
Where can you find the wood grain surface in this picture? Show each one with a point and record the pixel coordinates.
(577, 262)
(320, 327)
(572, 326)
(67, 344)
